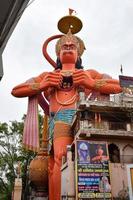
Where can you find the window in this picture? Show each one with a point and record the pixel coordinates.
(114, 153)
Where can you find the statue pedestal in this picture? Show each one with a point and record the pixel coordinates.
(17, 189)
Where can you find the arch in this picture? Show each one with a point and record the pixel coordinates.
(127, 153)
(126, 146)
(114, 153)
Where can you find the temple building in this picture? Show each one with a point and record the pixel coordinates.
(102, 149)
(99, 162)
(86, 149)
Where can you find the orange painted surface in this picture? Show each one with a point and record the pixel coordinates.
(62, 96)
(50, 175)
(60, 145)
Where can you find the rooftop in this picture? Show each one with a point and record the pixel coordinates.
(10, 13)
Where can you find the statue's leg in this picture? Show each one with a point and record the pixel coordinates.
(62, 138)
(50, 176)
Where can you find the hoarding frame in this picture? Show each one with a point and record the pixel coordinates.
(77, 163)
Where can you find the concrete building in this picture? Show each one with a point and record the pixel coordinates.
(99, 122)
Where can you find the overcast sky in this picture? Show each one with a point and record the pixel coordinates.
(107, 33)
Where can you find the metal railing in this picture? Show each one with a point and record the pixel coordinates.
(105, 125)
(121, 99)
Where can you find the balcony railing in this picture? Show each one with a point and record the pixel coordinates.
(86, 125)
(121, 100)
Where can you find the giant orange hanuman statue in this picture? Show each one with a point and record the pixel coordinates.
(61, 89)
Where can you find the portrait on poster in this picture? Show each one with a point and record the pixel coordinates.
(83, 152)
(98, 153)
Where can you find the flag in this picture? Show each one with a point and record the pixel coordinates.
(96, 117)
(71, 11)
(99, 118)
(121, 70)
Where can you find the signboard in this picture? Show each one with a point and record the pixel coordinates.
(92, 171)
(126, 82)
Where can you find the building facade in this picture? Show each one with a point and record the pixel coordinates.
(107, 123)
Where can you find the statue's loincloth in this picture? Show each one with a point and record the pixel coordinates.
(65, 117)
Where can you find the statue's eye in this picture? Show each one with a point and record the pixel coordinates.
(72, 47)
(65, 47)
(68, 47)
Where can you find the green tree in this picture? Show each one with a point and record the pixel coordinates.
(12, 152)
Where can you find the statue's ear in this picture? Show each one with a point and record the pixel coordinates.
(58, 62)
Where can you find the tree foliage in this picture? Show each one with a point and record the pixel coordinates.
(12, 152)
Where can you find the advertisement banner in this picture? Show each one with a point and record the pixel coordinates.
(92, 170)
(126, 82)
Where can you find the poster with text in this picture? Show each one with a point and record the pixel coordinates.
(92, 170)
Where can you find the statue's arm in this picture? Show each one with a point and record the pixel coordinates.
(107, 86)
(28, 88)
(38, 84)
(93, 80)
(103, 84)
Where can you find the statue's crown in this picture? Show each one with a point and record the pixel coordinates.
(70, 25)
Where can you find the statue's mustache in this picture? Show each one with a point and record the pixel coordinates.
(67, 52)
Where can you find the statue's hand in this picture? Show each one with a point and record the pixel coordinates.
(82, 78)
(51, 79)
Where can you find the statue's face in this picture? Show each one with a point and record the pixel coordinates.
(68, 53)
